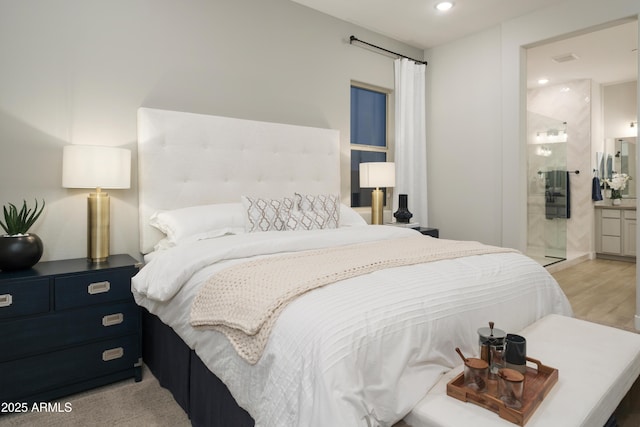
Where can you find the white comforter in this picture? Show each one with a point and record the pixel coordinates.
(360, 352)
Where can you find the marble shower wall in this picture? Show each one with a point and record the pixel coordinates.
(546, 151)
(570, 103)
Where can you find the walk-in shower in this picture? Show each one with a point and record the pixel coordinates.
(548, 189)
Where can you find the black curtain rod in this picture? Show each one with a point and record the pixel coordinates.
(355, 39)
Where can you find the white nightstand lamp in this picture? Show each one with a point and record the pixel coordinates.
(376, 175)
(93, 166)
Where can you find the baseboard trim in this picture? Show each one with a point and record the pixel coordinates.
(616, 257)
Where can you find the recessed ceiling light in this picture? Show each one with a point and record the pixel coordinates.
(443, 6)
(543, 81)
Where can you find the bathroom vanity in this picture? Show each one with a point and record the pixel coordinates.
(616, 231)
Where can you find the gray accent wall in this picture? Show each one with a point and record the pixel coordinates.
(75, 71)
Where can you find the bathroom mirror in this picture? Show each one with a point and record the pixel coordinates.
(599, 170)
(620, 157)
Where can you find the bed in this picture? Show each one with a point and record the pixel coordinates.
(358, 348)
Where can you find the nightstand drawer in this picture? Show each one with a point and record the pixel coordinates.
(31, 375)
(24, 297)
(92, 288)
(28, 336)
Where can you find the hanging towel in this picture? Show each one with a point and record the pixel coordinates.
(557, 194)
(568, 195)
(596, 192)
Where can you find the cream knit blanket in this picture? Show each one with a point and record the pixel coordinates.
(244, 301)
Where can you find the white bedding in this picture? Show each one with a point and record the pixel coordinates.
(360, 352)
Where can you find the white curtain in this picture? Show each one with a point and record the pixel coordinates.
(410, 138)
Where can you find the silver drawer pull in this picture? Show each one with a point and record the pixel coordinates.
(112, 354)
(99, 287)
(5, 300)
(112, 319)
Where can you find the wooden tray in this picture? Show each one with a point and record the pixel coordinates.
(537, 383)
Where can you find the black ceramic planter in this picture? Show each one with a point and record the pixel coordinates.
(19, 252)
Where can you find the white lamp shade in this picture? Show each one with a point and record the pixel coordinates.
(94, 166)
(377, 174)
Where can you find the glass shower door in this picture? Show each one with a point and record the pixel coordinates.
(548, 192)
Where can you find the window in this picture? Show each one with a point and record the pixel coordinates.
(369, 109)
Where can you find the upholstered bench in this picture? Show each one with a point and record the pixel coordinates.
(597, 366)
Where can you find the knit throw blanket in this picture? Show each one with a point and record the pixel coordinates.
(244, 301)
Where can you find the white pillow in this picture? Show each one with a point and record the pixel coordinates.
(180, 224)
(306, 220)
(212, 234)
(265, 214)
(163, 244)
(327, 205)
(349, 217)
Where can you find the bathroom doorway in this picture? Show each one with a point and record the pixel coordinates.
(566, 78)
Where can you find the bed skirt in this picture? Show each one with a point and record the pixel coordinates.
(204, 398)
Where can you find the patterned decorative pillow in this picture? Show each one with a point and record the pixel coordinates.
(327, 205)
(306, 220)
(266, 214)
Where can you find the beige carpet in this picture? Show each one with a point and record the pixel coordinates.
(125, 403)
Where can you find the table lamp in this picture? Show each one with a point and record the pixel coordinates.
(93, 166)
(376, 175)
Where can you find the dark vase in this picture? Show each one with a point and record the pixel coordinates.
(402, 215)
(19, 252)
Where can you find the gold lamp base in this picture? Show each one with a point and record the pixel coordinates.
(98, 214)
(377, 199)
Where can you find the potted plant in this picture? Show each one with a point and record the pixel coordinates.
(20, 249)
(617, 183)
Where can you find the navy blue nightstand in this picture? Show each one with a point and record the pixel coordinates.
(68, 326)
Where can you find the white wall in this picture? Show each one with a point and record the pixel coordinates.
(75, 71)
(546, 24)
(509, 84)
(476, 84)
(464, 147)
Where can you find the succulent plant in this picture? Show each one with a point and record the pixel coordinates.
(18, 222)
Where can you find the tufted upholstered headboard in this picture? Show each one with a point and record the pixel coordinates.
(187, 159)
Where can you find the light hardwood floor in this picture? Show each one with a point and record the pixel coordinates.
(601, 291)
(604, 291)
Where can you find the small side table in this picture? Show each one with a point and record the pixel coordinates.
(429, 231)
